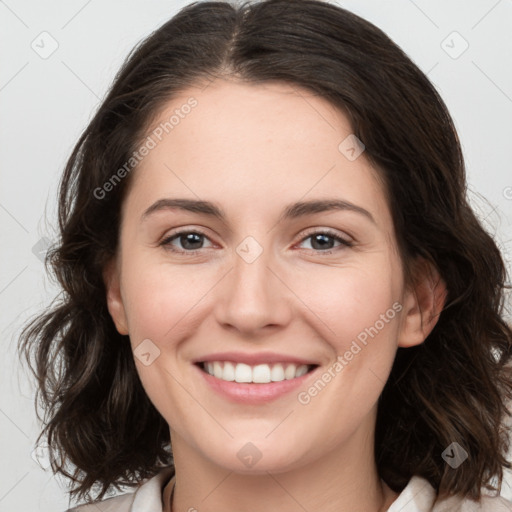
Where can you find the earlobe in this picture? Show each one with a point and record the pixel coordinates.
(115, 303)
(423, 302)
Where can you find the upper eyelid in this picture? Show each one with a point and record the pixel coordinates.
(308, 233)
(175, 235)
(328, 231)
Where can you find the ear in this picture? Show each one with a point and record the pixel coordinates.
(423, 302)
(114, 300)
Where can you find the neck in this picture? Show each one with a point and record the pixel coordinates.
(343, 480)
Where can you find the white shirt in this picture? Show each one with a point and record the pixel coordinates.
(418, 496)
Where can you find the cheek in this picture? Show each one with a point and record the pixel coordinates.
(358, 312)
(352, 301)
(161, 302)
(161, 297)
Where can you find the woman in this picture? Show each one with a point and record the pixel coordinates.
(276, 296)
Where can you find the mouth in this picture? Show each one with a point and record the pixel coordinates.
(242, 373)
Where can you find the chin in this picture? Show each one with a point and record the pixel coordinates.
(258, 457)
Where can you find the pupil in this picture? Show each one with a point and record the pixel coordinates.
(322, 239)
(190, 238)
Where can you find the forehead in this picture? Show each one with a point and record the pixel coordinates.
(240, 116)
(254, 144)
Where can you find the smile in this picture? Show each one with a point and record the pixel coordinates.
(256, 374)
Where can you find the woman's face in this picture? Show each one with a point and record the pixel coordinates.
(270, 276)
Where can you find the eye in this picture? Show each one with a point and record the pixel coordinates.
(322, 241)
(190, 241)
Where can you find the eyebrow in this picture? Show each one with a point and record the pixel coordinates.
(292, 211)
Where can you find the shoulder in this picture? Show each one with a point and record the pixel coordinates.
(147, 497)
(122, 503)
(485, 504)
(420, 496)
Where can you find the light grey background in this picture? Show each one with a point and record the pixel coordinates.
(46, 102)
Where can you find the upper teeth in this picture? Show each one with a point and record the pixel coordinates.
(260, 373)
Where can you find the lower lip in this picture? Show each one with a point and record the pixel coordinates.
(250, 393)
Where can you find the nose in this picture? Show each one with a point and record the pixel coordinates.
(253, 297)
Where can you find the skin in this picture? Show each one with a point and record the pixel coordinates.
(252, 150)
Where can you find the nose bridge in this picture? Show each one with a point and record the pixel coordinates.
(252, 296)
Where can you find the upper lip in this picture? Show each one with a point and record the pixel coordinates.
(253, 359)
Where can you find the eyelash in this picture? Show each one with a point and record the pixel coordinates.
(166, 242)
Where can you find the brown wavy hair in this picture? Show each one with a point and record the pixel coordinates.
(454, 387)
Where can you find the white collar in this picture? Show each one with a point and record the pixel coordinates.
(148, 497)
(417, 496)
